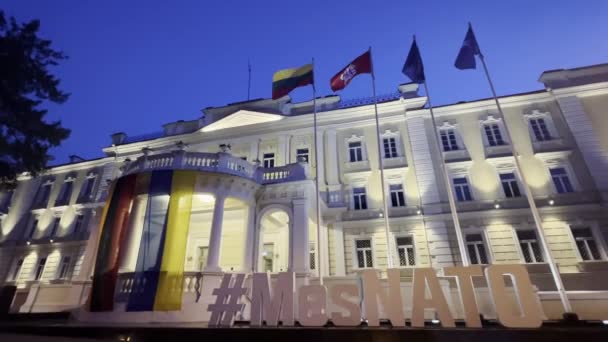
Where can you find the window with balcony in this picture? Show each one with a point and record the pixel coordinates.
(268, 160)
(54, 227)
(17, 270)
(397, 195)
(359, 199)
(355, 151)
(493, 134)
(509, 185)
(363, 250)
(65, 193)
(406, 251)
(586, 244)
(42, 196)
(39, 268)
(302, 154)
(561, 181)
(390, 147)
(530, 247)
(86, 191)
(476, 249)
(448, 139)
(64, 267)
(462, 190)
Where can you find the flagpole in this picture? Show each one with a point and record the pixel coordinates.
(249, 80)
(319, 267)
(448, 183)
(535, 214)
(389, 255)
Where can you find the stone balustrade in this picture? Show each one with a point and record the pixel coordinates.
(220, 163)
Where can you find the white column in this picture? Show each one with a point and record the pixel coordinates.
(324, 250)
(128, 255)
(282, 148)
(339, 258)
(215, 240)
(298, 237)
(331, 165)
(320, 169)
(253, 150)
(248, 258)
(424, 167)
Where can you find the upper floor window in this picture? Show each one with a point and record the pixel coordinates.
(86, 191)
(363, 249)
(42, 197)
(359, 199)
(65, 193)
(530, 248)
(448, 139)
(390, 147)
(268, 159)
(302, 154)
(539, 129)
(33, 229)
(5, 200)
(64, 267)
(476, 249)
(560, 178)
(585, 243)
(17, 270)
(509, 185)
(405, 251)
(461, 188)
(39, 268)
(54, 226)
(355, 151)
(493, 134)
(78, 223)
(397, 196)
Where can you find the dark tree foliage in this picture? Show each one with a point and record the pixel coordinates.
(25, 85)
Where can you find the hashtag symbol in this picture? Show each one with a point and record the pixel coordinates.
(227, 304)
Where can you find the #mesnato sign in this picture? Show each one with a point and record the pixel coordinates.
(278, 305)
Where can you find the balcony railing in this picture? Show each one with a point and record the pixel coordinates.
(219, 163)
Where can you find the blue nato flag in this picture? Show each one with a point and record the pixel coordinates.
(413, 67)
(466, 55)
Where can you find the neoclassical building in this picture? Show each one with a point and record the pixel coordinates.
(143, 233)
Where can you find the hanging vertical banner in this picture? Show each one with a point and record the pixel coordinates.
(112, 233)
(145, 279)
(170, 283)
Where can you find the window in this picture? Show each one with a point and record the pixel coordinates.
(42, 197)
(311, 256)
(355, 151)
(64, 267)
(364, 253)
(461, 187)
(302, 154)
(448, 139)
(476, 249)
(405, 251)
(33, 228)
(54, 227)
(268, 160)
(493, 134)
(39, 268)
(586, 244)
(87, 189)
(65, 193)
(560, 180)
(17, 270)
(539, 129)
(397, 197)
(268, 257)
(509, 185)
(359, 199)
(203, 252)
(390, 147)
(529, 246)
(78, 223)
(5, 200)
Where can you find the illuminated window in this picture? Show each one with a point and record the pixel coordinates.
(493, 134)
(355, 151)
(405, 251)
(17, 270)
(448, 139)
(359, 199)
(65, 193)
(509, 185)
(54, 226)
(364, 253)
(561, 180)
(397, 196)
(64, 267)
(268, 160)
(40, 268)
(42, 197)
(585, 242)
(476, 249)
(86, 191)
(530, 248)
(302, 154)
(461, 188)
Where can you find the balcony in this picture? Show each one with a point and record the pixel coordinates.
(220, 162)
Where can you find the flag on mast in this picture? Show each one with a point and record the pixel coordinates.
(286, 80)
(360, 65)
(413, 67)
(468, 51)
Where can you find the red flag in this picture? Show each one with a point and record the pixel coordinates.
(361, 65)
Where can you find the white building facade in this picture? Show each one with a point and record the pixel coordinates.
(250, 201)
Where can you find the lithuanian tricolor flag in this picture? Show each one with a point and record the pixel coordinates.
(286, 80)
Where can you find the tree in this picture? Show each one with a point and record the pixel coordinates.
(25, 85)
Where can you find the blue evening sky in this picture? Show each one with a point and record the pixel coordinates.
(135, 65)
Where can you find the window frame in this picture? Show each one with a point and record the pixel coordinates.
(352, 194)
(396, 139)
(597, 237)
(396, 250)
(390, 195)
(355, 250)
(38, 202)
(465, 177)
(54, 226)
(356, 139)
(83, 196)
(66, 191)
(484, 240)
(515, 179)
(568, 174)
(549, 123)
(17, 269)
(491, 120)
(298, 153)
(38, 276)
(68, 266)
(268, 160)
(520, 250)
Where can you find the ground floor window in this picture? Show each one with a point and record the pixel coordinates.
(364, 253)
(405, 251)
(585, 243)
(530, 248)
(476, 249)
